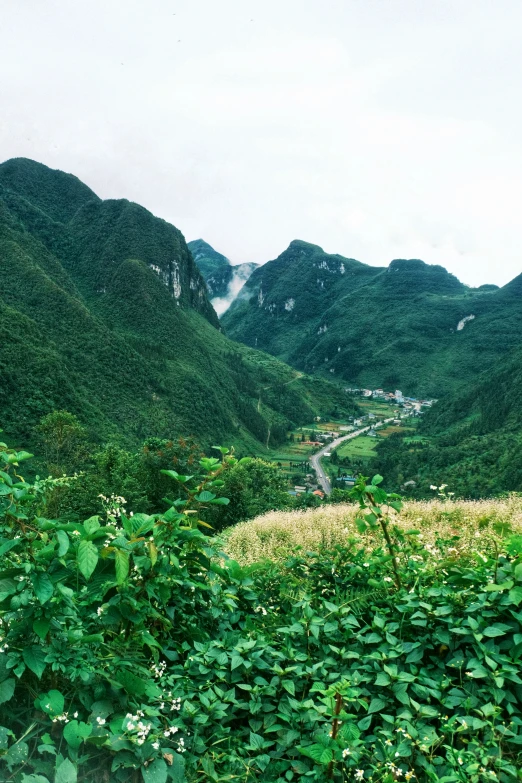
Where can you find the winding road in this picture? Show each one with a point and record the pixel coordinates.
(315, 459)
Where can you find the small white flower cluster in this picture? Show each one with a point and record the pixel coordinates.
(114, 505)
(346, 752)
(64, 717)
(3, 647)
(100, 721)
(158, 669)
(171, 730)
(101, 609)
(181, 745)
(359, 774)
(136, 725)
(175, 704)
(440, 490)
(261, 610)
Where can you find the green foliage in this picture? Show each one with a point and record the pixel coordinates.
(471, 436)
(253, 487)
(63, 440)
(133, 650)
(393, 327)
(106, 316)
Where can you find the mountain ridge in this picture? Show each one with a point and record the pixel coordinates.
(104, 313)
(409, 325)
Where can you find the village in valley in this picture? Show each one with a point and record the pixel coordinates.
(383, 413)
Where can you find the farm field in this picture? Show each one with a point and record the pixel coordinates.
(292, 457)
(279, 534)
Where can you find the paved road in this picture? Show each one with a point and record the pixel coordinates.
(315, 459)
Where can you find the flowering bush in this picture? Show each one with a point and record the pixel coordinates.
(133, 650)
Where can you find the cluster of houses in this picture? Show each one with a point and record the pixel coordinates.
(394, 398)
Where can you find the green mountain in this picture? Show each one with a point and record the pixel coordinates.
(470, 440)
(410, 325)
(103, 312)
(223, 280)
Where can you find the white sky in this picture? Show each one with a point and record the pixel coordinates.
(377, 129)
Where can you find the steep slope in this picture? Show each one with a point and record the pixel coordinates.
(472, 439)
(281, 305)
(105, 314)
(223, 280)
(411, 325)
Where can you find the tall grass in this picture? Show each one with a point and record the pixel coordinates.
(276, 535)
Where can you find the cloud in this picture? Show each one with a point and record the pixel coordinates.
(373, 129)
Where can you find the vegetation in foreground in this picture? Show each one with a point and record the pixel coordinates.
(133, 649)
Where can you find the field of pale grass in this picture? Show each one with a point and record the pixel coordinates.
(276, 535)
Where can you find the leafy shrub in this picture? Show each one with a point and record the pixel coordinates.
(133, 650)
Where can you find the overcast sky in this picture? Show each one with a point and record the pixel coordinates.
(378, 129)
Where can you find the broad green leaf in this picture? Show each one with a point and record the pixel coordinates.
(63, 542)
(7, 688)
(43, 587)
(318, 753)
(256, 741)
(376, 705)
(76, 732)
(34, 658)
(377, 480)
(16, 755)
(205, 496)
(8, 586)
(236, 661)
(289, 686)
(155, 772)
(41, 627)
(177, 770)
(20, 456)
(493, 588)
(518, 572)
(153, 552)
(4, 737)
(8, 545)
(66, 773)
(497, 629)
(34, 779)
(122, 565)
(87, 558)
(91, 525)
(382, 679)
(478, 672)
(349, 732)
(52, 703)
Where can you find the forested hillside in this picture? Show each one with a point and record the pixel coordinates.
(103, 312)
(410, 325)
(470, 440)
